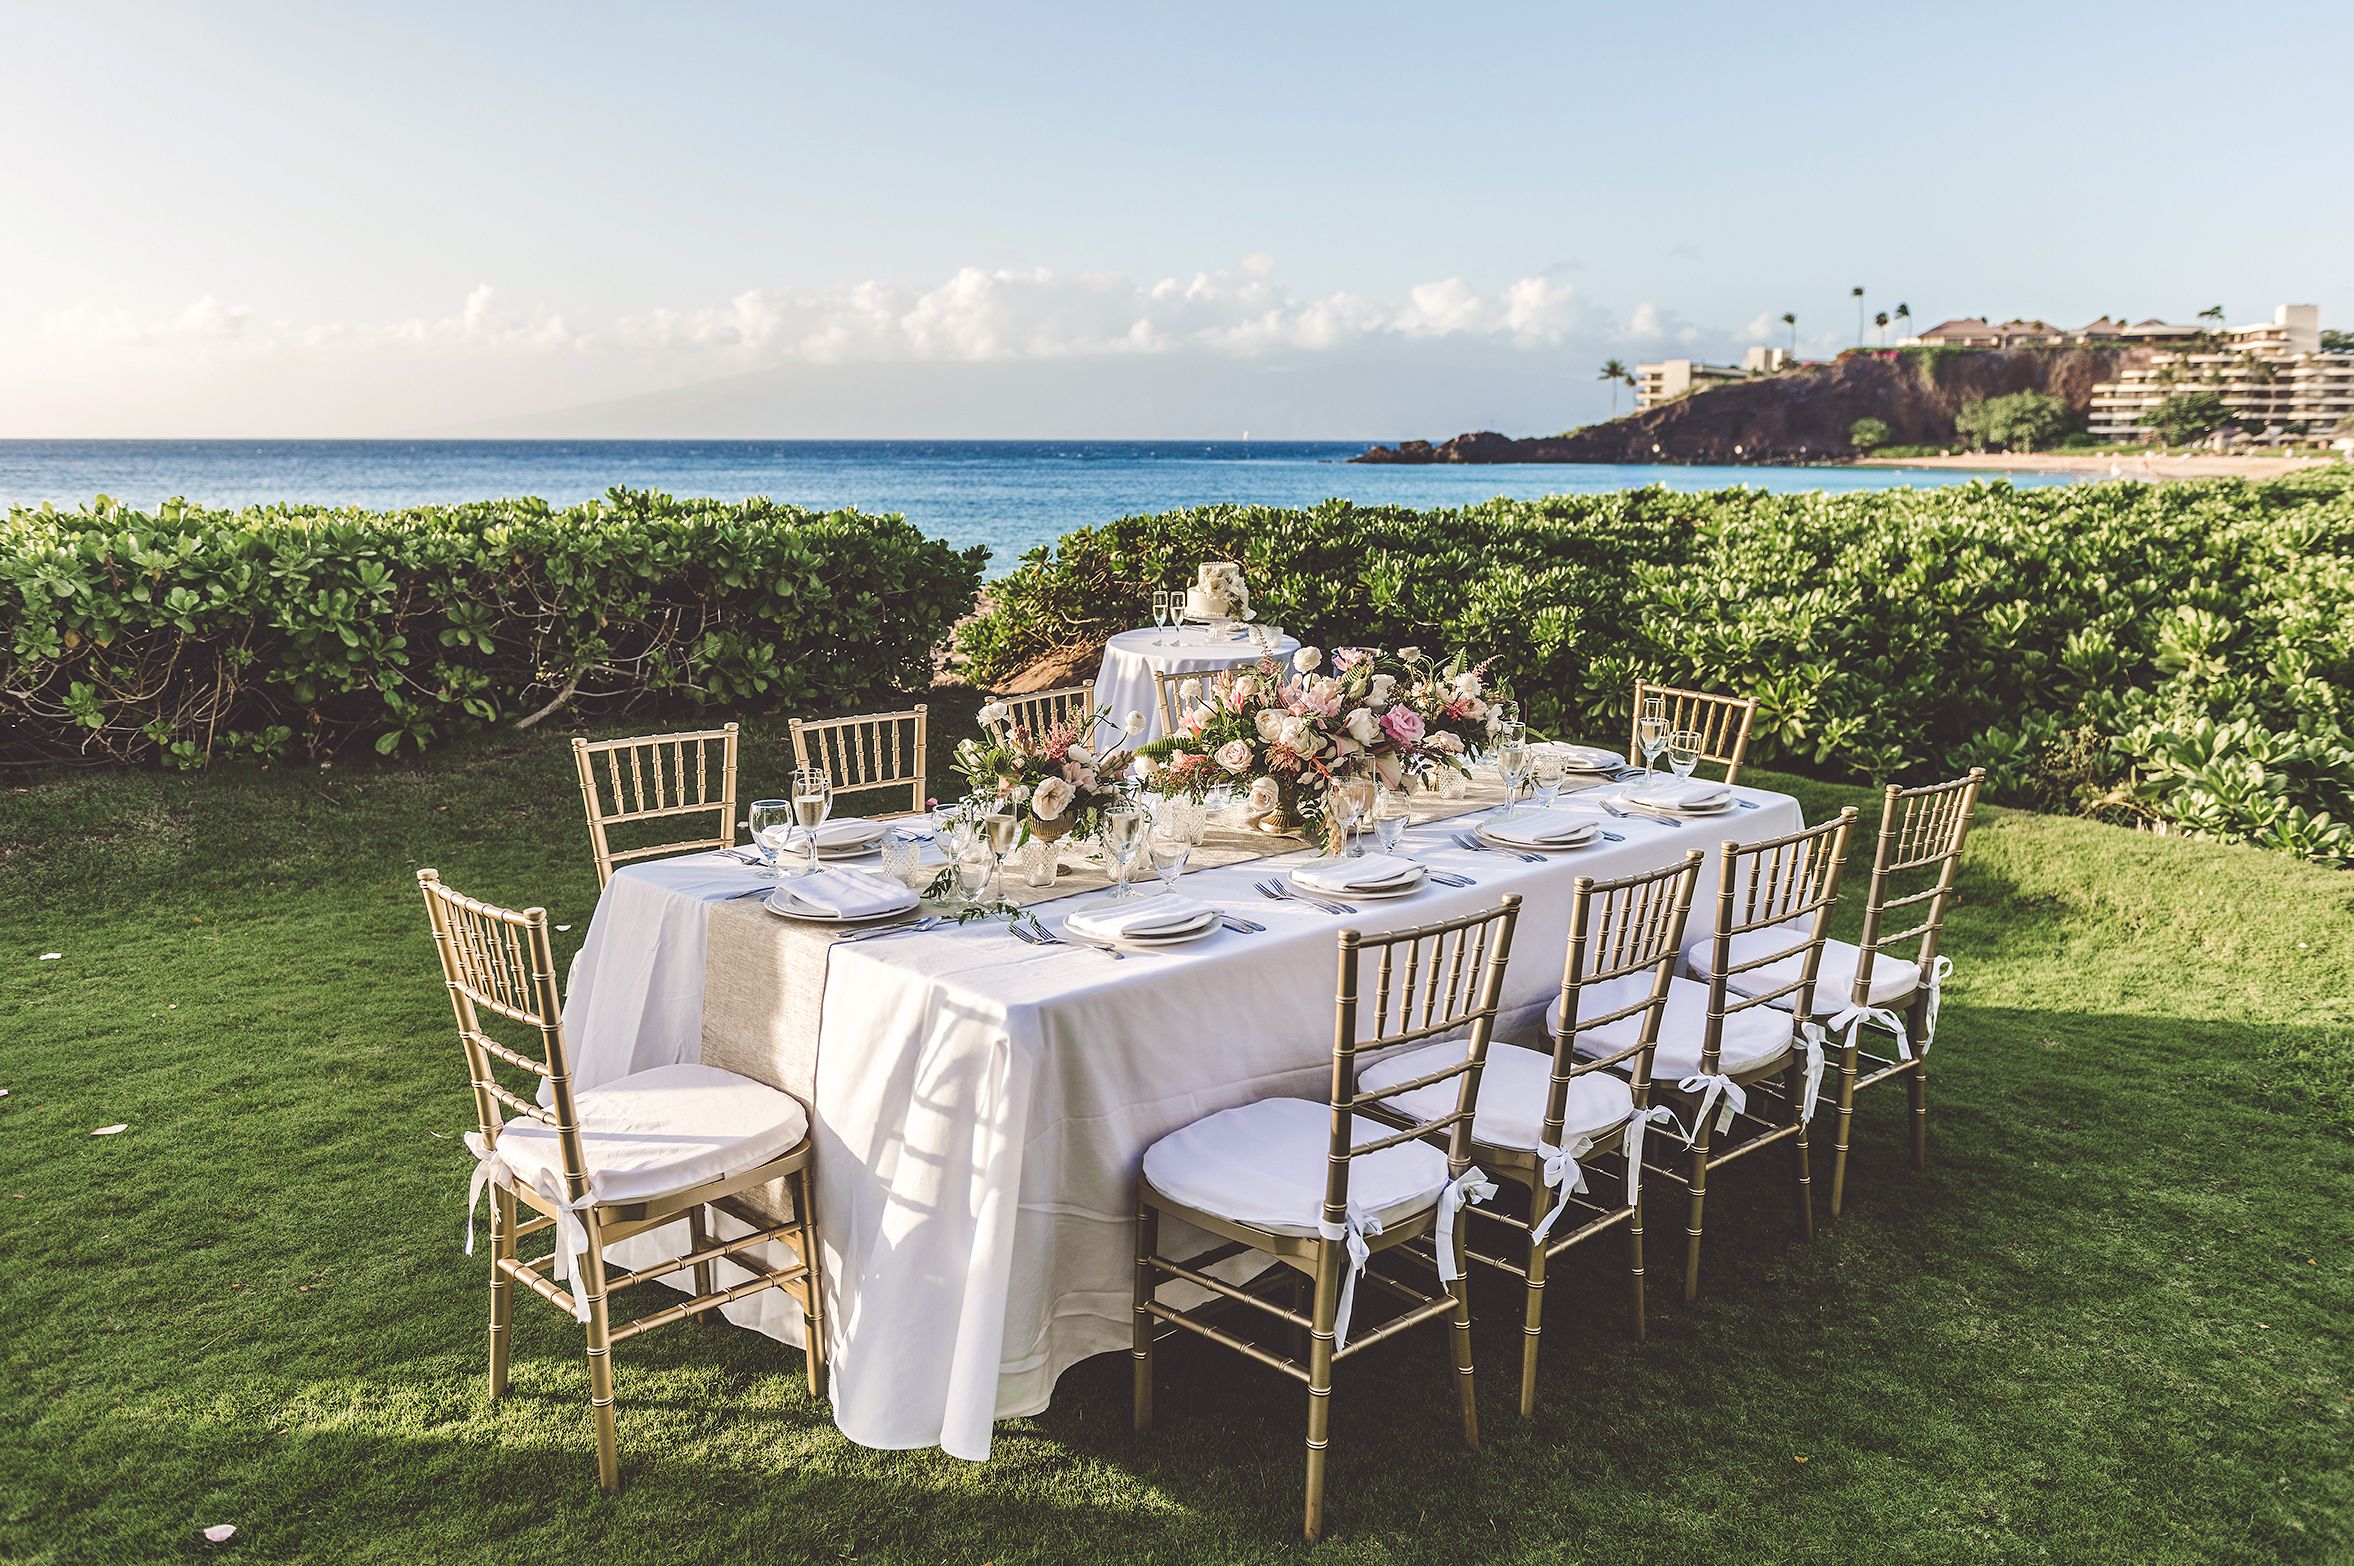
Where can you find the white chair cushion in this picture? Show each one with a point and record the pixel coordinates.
(1892, 978)
(661, 1131)
(1263, 1164)
(1754, 1037)
(1513, 1087)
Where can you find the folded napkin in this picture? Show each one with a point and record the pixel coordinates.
(1374, 872)
(847, 832)
(1679, 793)
(1585, 758)
(1544, 828)
(848, 893)
(1164, 914)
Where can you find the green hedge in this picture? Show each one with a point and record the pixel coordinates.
(184, 634)
(2177, 655)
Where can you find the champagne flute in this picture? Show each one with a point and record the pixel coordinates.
(1683, 751)
(1545, 770)
(1123, 829)
(1651, 732)
(1512, 767)
(813, 800)
(1390, 817)
(1160, 609)
(772, 829)
(1003, 829)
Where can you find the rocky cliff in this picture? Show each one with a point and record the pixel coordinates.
(1800, 415)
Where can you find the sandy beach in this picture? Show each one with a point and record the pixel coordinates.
(2103, 465)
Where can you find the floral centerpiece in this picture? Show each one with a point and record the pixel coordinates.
(1059, 778)
(1288, 734)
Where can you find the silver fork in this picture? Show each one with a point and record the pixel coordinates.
(1466, 840)
(914, 927)
(1281, 893)
(1039, 935)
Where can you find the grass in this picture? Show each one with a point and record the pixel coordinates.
(2110, 1321)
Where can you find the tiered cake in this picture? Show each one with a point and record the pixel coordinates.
(1218, 593)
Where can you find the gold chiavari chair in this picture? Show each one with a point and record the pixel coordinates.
(1875, 981)
(1179, 694)
(1039, 711)
(1722, 721)
(871, 752)
(1301, 1183)
(1720, 1050)
(657, 777)
(1546, 1122)
(601, 1165)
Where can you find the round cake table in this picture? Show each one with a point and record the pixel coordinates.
(1125, 683)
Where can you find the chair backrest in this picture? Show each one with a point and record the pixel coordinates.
(498, 968)
(1921, 836)
(1723, 722)
(1785, 885)
(1618, 930)
(657, 777)
(1179, 694)
(1446, 987)
(1039, 711)
(874, 751)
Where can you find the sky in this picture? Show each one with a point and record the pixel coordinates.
(1023, 220)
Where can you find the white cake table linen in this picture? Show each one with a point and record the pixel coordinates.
(1125, 682)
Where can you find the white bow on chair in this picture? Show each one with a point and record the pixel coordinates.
(1813, 1035)
(571, 1234)
(1937, 976)
(1561, 1173)
(1473, 1187)
(1849, 1021)
(1711, 1087)
(1636, 1128)
(1360, 1224)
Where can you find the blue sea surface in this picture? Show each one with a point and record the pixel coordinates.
(1009, 495)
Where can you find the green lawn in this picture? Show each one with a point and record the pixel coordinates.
(2111, 1320)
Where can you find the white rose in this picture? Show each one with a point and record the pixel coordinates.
(1380, 690)
(1296, 734)
(1019, 793)
(1235, 755)
(1409, 653)
(1080, 754)
(1269, 722)
(993, 713)
(1467, 684)
(1135, 722)
(1264, 796)
(1363, 728)
(1051, 800)
(1246, 687)
(1306, 658)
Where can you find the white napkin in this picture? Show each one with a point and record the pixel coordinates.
(848, 893)
(847, 832)
(1584, 758)
(1163, 914)
(1680, 793)
(1544, 828)
(1374, 872)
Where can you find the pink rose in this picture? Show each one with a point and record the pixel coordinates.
(1403, 724)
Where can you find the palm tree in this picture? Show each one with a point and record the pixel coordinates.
(1880, 321)
(1790, 319)
(1615, 372)
(2213, 314)
(1857, 294)
(1904, 314)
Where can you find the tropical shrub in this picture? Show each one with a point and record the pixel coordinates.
(2176, 655)
(2021, 421)
(184, 634)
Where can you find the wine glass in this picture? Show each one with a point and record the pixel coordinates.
(1123, 829)
(1683, 751)
(1169, 849)
(1003, 829)
(976, 867)
(1651, 732)
(772, 828)
(1545, 768)
(1390, 818)
(1512, 767)
(813, 800)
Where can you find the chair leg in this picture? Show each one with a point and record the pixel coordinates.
(813, 1282)
(1698, 1178)
(590, 1282)
(1460, 1337)
(1794, 1089)
(1635, 1270)
(698, 1236)
(1532, 1316)
(502, 1286)
(1916, 1082)
(1841, 1132)
(1148, 1237)
(1329, 1254)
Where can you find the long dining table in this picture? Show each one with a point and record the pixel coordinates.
(981, 1105)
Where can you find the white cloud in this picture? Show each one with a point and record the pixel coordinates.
(207, 320)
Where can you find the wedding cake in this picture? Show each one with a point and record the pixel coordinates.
(1218, 593)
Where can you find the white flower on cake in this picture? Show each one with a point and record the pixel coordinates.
(1235, 756)
(1052, 797)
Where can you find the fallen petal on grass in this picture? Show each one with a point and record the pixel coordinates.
(221, 1533)
(51, 956)
(111, 1130)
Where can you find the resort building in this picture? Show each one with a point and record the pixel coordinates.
(1672, 378)
(2274, 377)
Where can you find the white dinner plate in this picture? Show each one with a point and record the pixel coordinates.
(1520, 845)
(1674, 807)
(1207, 924)
(778, 903)
(1584, 760)
(1399, 888)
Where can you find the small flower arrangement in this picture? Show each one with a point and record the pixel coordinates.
(1287, 734)
(1059, 778)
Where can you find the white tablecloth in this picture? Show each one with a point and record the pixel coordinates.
(983, 1105)
(1125, 683)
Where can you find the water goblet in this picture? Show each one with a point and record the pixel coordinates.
(1545, 769)
(1169, 849)
(1683, 751)
(976, 867)
(1651, 732)
(1512, 767)
(1390, 819)
(1003, 830)
(813, 801)
(1123, 830)
(772, 828)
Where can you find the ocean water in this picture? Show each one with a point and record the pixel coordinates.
(1009, 495)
